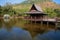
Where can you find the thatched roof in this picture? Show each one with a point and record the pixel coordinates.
(37, 8)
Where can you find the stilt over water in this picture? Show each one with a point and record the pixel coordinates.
(36, 14)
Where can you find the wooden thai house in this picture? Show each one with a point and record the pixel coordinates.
(36, 14)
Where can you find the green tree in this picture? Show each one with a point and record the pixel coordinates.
(1, 11)
(8, 9)
(50, 12)
(57, 11)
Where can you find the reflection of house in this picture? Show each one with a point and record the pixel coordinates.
(36, 14)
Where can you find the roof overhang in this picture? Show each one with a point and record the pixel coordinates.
(36, 13)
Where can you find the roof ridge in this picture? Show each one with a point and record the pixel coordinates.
(38, 8)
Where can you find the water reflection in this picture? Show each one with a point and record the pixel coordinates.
(35, 29)
(14, 34)
(12, 29)
(8, 24)
(6, 20)
(51, 35)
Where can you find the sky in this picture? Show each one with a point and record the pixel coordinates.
(3, 2)
(57, 1)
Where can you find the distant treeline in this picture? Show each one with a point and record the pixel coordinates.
(11, 10)
(7, 9)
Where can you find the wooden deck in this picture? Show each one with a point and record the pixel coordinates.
(50, 20)
(42, 19)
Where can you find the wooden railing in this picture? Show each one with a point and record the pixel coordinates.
(32, 18)
(57, 19)
(28, 17)
(39, 19)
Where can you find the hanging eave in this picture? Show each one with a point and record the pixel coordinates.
(41, 13)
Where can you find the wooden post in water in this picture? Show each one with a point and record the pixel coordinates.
(26, 20)
(31, 23)
(41, 21)
(35, 19)
(31, 19)
(47, 24)
(56, 24)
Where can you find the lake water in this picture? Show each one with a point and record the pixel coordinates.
(18, 29)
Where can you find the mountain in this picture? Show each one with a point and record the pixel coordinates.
(24, 6)
(34, 1)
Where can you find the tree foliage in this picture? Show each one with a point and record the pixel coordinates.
(57, 11)
(1, 10)
(7, 9)
(50, 12)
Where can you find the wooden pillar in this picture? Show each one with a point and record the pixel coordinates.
(56, 25)
(47, 24)
(27, 20)
(35, 19)
(31, 23)
(31, 19)
(41, 21)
